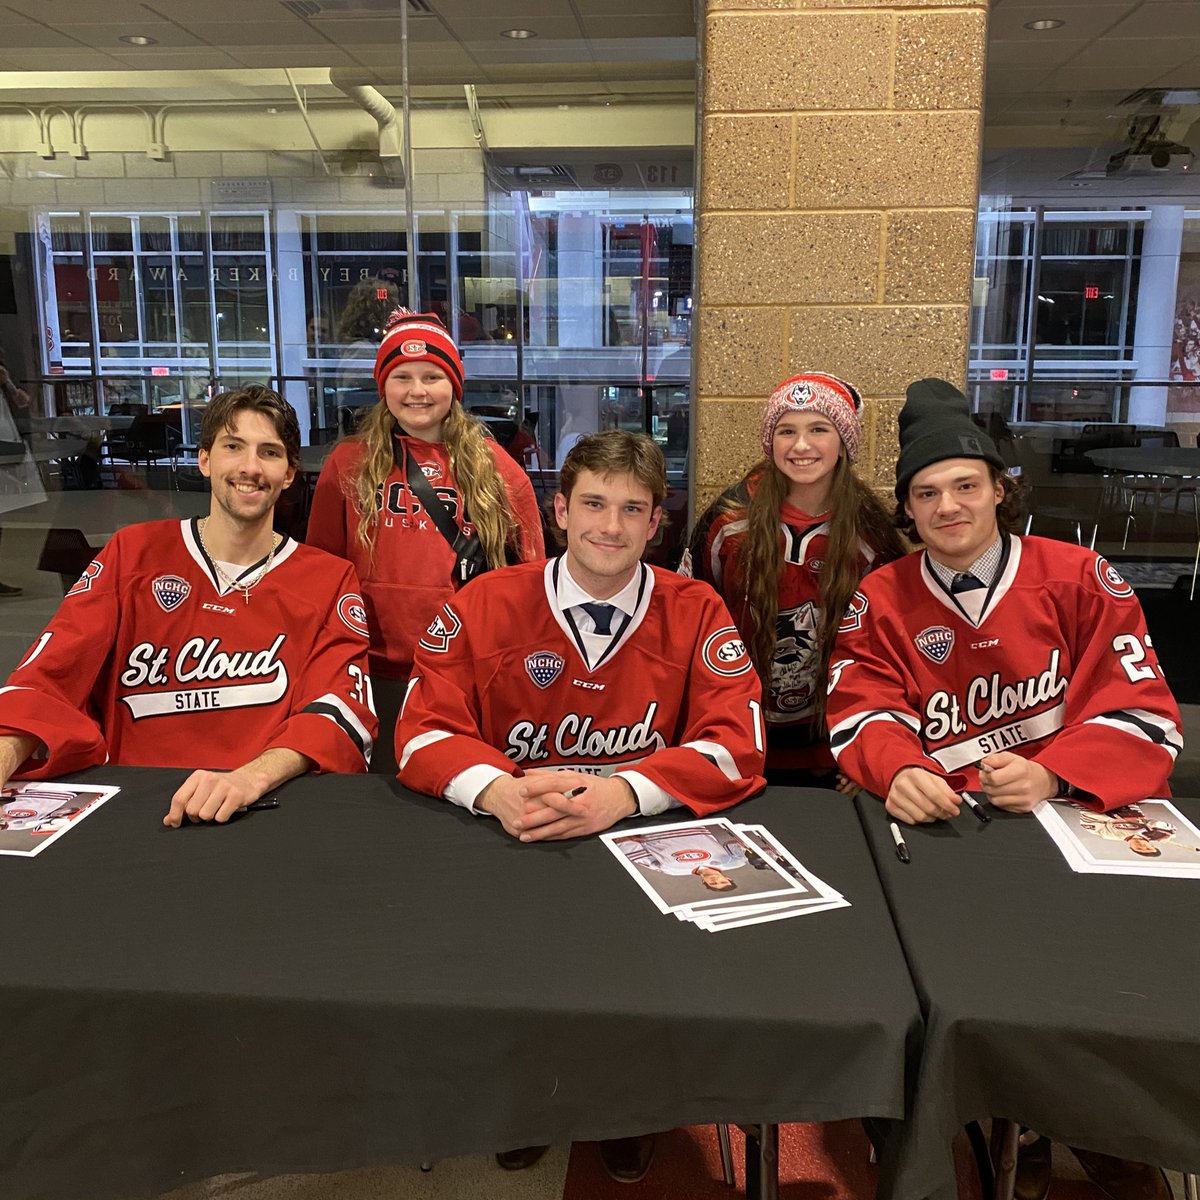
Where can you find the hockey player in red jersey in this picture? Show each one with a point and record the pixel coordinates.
(215, 639)
(1027, 656)
(563, 697)
(592, 671)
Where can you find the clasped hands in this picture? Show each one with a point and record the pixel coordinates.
(537, 808)
(1009, 781)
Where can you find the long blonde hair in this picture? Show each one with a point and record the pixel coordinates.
(856, 515)
(472, 467)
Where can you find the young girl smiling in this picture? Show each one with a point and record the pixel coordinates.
(786, 547)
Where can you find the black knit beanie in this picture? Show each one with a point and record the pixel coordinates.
(935, 423)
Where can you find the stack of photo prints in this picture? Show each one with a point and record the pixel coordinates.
(719, 875)
(35, 815)
(1151, 837)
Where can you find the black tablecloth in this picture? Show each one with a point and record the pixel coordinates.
(366, 976)
(1068, 1002)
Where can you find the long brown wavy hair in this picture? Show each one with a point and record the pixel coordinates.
(472, 466)
(856, 515)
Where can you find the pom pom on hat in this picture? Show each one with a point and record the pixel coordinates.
(417, 337)
(815, 392)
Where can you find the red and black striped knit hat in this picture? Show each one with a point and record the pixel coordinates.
(417, 337)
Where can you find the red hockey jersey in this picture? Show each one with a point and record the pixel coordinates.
(149, 661)
(500, 678)
(410, 575)
(794, 737)
(1057, 667)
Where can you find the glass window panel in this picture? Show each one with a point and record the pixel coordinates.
(158, 298)
(112, 233)
(116, 300)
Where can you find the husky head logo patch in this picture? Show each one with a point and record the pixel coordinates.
(544, 667)
(935, 643)
(442, 631)
(802, 393)
(855, 612)
(170, 591)
(89, 576)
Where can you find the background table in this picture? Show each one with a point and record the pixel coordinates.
(365, 976)
(1070, 1003)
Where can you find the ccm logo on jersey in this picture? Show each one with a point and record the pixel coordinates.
(89, 576)
(725, 653)
(985, 645)
(442, 632)
(1111, 581)
(854, 613)
(353, 613)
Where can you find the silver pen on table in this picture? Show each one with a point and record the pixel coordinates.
(901, 845)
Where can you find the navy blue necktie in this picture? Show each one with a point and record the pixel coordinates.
(601, 614)
(964, 581)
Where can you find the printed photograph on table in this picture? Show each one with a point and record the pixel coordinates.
(34, 815)
(1151, 837)
(686, 865)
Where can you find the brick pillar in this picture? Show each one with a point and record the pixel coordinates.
(839, 180)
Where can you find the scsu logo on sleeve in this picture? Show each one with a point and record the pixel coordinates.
(725, 653)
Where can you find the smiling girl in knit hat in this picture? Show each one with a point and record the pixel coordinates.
(363, 508)
(786, 547)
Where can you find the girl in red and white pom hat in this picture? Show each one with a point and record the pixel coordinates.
(786, 547)
(364, 509)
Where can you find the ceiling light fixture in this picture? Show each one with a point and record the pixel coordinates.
(1045, 23)
(518, 34)
(138, 39)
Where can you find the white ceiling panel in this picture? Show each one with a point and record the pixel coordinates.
(1166, 20)
(1085, 22)
(165, 34)
(1019, 53)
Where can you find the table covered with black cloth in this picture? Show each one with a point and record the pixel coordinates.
(1068, 1002)
(364, 976)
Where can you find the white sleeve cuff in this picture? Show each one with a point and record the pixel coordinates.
(651, 799)
(464, 789)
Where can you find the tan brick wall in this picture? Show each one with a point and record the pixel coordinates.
(839, 177)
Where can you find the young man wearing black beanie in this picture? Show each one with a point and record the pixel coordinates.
(1015, 665)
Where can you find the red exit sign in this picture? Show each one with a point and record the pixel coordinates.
(1091, 291)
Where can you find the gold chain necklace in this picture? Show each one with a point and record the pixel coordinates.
(238, 585)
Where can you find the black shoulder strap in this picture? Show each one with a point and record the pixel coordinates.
(437, 510)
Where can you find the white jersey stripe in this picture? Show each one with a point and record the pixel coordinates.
(843, 734)
(719, 755)
(419, 743)
(347, 718)
(1146, 725)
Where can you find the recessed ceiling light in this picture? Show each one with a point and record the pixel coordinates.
(138, 39)
(517, 34)
(1046, 23)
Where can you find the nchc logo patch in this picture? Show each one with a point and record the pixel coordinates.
(935, 643)
(544, 667)
(725, 653)
(170, 591)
